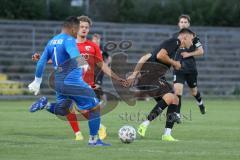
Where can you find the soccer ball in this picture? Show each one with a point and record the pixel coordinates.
(127, 134)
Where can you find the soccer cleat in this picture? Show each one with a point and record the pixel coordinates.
(169, 138)
(39, 104)
(99, 143)
(202, 109)
(102, 132)
(142, 130)
(79, 136)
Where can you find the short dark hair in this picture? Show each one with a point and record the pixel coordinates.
(184, 16)
(84, 18)
(70, 21)
(186, 30)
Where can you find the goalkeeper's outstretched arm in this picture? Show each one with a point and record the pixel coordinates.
(35, 85)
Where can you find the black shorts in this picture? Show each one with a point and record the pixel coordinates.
(190, 78)
(151, 81)
(152, 87)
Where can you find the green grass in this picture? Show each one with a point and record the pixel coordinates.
(41, 135)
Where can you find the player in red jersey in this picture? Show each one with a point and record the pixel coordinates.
(92, 53)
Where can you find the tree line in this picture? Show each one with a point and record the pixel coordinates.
(203, 13)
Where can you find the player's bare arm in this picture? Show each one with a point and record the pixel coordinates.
(163, 57)
(198, 52)
(138, 67)
(104, 67)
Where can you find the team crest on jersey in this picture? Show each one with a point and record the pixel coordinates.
(87, 48)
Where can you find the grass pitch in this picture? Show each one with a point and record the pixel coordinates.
(40, 135)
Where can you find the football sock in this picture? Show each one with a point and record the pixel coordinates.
(72, 119)
(94, 122)
(146, 123)
(62, 108)
(179, 104)
(167, 131)
(169, 121)
(157, 110)
(199, 98)
(76, 133)
(92, 139)
(51, 107)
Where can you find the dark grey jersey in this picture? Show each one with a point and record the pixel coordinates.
(171, 46)
(188, 64)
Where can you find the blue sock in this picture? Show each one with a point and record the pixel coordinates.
(61, 108)
(94, 122)
(51, 108)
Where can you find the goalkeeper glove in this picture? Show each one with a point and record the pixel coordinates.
(35, 86)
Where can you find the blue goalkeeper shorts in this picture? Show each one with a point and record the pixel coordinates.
(83, 103)
(70, 85)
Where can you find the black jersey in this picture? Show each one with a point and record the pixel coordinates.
(188, 65)
(170, 45)
(151, 80)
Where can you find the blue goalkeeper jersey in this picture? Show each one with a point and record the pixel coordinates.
(63, 52)
(68, 64)
(59, 49)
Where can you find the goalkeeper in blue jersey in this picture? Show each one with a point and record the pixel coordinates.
(69, 85)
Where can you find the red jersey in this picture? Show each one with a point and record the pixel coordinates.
(92, 54)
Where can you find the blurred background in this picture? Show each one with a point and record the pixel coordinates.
(27, 25)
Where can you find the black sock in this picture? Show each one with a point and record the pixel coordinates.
(179, 104)
(169, 120)
(198, 97)
(157, 110)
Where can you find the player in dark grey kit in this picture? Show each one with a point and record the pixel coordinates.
(149, 75)
(188, 72)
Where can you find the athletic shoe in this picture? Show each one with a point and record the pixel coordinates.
(102, 132)
(39, 104)
(142, 130)
(99, 142)
(202, 109)
(79, 136)
(168, 138)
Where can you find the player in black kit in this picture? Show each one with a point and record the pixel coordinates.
(149, 78)
(188, 72)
